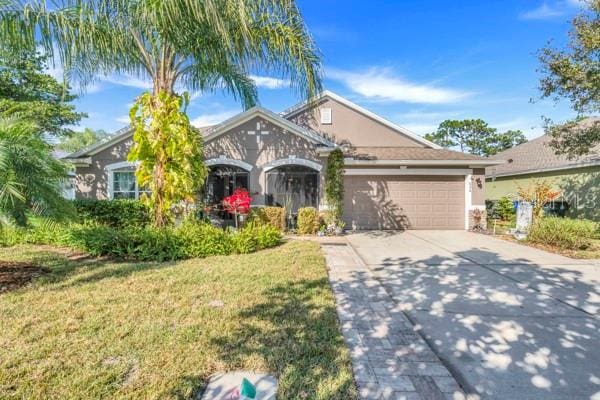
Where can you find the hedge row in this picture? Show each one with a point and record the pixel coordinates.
(147, 243)
(273, 216)
(116, 213)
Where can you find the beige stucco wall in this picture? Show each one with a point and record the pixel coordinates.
(92, 182)
(478, 187)
(349, 126)
(237, 144)
(277, 144)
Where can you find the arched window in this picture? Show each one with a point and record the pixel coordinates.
(293, 186)
(223, 180)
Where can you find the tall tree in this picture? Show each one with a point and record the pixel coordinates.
(200, 45)
(27, 91)
(501, 141)
(80, 139)
(31, 178)
(573, 73)
(474, 136)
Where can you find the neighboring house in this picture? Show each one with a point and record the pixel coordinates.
(394, 179)
(68, 186)
(578, 180)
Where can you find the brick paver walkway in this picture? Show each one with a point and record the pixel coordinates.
(390, 359)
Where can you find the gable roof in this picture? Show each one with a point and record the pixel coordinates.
(122, 134)
(270, 116)
(294, 110)
(537, 156)
(102, 144)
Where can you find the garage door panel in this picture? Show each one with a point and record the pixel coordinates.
(404, 202)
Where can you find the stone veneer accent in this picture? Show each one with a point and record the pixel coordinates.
(472, 221)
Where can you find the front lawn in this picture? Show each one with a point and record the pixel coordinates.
(100, 329)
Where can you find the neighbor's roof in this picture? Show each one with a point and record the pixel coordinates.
(538, 156)
(382, 155)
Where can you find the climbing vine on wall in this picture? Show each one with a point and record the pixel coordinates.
(334, 183)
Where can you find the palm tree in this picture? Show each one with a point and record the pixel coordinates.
(199, 45)
(31, 178)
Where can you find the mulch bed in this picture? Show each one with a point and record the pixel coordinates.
(14, 275)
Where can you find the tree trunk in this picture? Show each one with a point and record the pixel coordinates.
(159, 213)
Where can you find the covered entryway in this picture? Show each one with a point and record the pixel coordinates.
(293, 187)
(222, 180)
(404, 202)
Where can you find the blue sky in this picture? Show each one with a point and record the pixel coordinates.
(413, 62)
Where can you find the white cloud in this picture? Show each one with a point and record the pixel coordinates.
(544, 11)
(212, 119)
(268, 82)
(381, 84)
(428, 115)
(56, 71)
(124, 119)
(550, 9)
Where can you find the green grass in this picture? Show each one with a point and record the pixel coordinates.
(591, 253)
(99, 329)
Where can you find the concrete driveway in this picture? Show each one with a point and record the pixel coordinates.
(509, 321)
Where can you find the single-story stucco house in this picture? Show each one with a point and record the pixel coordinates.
(578, 180)
(394, 179)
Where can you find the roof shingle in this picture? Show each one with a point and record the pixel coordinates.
(537, 155)
(408, 153)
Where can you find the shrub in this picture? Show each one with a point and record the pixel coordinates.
(539, 193)
(566, 233)
(273, 216)
(149, 243)
(11, 235)
(201, 240)
(116, 213)
(505, 209)
(308, 221)
(243, 241)
(267, 236)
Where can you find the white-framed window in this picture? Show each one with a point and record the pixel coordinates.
(122, 183)
(325, 115)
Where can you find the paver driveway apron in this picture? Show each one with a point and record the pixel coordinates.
(509, 321)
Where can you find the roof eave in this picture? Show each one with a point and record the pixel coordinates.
(470, 163)
(97, 147)
(79, 162)
(541, 170)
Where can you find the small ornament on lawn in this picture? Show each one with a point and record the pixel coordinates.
(216, 303)
(247, 390)
(241, 385)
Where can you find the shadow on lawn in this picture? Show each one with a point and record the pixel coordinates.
(295, 331)
(70, 268)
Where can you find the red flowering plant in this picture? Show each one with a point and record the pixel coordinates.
(238, 203)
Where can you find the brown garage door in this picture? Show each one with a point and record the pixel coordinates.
(404, 202)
